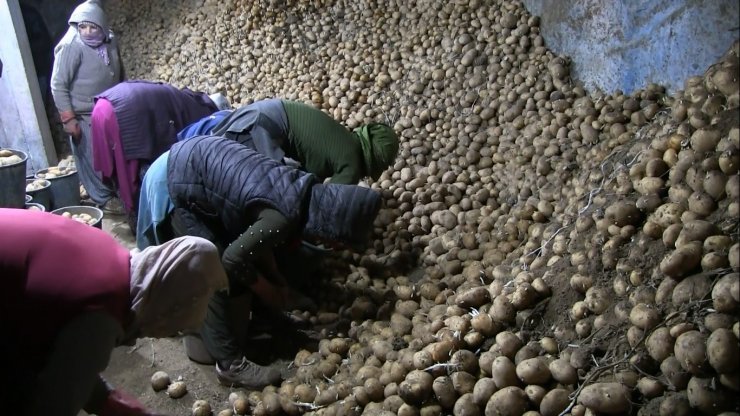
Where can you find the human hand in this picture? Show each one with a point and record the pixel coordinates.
(296, 300)
(73, 128)
(71, 124)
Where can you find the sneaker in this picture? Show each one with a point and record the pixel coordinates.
(113, 206)
(244, 373)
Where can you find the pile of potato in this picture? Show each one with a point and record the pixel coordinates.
(36, 184)
(7, 158)
(65, 167)
(543, 250)
(82, 217)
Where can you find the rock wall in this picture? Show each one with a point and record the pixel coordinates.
(625, 45)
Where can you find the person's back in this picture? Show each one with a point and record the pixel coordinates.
(220, 179)
(39, 294)
(284, 129)
(150, 114)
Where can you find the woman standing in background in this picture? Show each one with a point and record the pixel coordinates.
(86, 63)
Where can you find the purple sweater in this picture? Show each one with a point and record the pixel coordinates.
(150, 114)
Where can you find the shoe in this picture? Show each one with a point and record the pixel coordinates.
(196, 350)
(244, 373)
(113, 206)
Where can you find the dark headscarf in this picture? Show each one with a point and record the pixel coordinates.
(379, 147)
(342, 213)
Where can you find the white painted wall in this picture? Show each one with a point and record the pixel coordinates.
(23, 122)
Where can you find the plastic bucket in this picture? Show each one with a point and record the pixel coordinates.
(13, 181)
(78, 212)
(65, 189)
(41, 195)
(35, 207)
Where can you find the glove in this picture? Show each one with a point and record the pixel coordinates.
(71, 125)
(120, 403)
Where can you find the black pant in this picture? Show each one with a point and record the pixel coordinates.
(224, 329)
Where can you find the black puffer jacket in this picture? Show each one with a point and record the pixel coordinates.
(219, 180)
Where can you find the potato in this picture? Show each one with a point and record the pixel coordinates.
(483, 389)
(392, 404)
(201, 408)
(465, 405)
(682, 261)
(692, 288)
(723, 351)
(554, 402)
(691, 351)
(508, 343)
(597, 299)
(701, 204)
(715, 320)
(645, 316)
(667, 214)
(680, 328)
(665, 290)
(659, 344)
(719, 243)
(670, 235)
(533, 371)
(160, 380)
(734, 257)
(473, 298)
(634, 336)
(705, 139)
(524, 296)
(463, 382)
(725, 293)
(535, 394)
(465, 360)
(444, 392)
(622, 213)
(608, 398)
(675, 404)
(650, 387)
(628, 378)
(502, 310)
(177, 389)
(503, 372)
(730, 381)
(509, 401)
(708, 398)
(579, 310)
(563, 372)
(416, 388)
(695, 230)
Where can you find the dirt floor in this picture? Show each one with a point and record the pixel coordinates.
(131, 368)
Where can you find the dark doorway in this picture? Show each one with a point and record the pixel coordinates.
(41, 48)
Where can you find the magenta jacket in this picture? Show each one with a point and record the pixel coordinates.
(52, 270)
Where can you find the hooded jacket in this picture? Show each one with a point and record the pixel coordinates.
(78, 72)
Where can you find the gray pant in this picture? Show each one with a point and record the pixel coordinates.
(99, 192)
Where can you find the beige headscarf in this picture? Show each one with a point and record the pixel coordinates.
(171, 284)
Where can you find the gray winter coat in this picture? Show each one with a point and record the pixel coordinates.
(79, 73)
